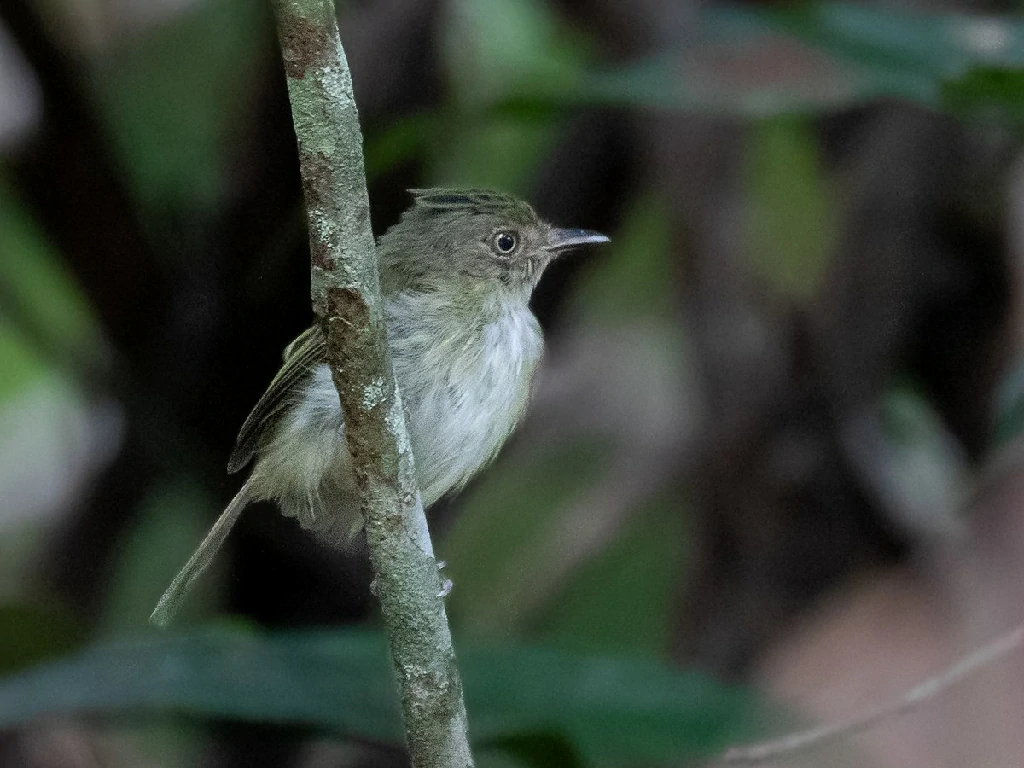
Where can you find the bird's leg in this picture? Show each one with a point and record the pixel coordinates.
(446, 584)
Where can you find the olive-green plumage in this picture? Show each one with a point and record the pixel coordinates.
(457, 272)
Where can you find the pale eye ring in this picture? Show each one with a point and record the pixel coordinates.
(505, 242)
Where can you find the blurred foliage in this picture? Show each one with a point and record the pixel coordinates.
(834, 54)
(172, 520)
(31, 634)
(499, 149)
(22, 364)
(915, 55)
(495, 49)
(793, 226)
(492, 543)
(986, 90)
(921, 468)
(44, 319)
(170, 113)
(608, 710)
(536, 749)
(48, 337)
(1009, 409)
(170, 101)
(621, 601)
(633, 279)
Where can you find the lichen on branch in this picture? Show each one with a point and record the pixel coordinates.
(347, 301)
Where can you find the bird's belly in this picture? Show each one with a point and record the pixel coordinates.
(463, 412)
(456, 431)
(462, 401)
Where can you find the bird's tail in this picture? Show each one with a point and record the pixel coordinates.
(171, 601)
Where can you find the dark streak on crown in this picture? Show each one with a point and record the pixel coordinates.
(469, 200)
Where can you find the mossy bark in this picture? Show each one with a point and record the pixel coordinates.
(347, 301)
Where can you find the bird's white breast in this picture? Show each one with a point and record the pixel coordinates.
(465, 385)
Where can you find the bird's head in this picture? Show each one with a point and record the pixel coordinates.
(473, 240)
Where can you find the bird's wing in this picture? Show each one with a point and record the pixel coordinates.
(300, 358)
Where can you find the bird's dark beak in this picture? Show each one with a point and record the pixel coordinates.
(561, 240)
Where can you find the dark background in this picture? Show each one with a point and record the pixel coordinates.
(774, 439)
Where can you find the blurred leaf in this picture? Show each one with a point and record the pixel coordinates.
(893, 52)
(340, 682)
(496, 758)
(610, 710)
(622, 601)
(403, 140)
(985, 88)
(751, 59)
(21, 366)
(539, 750)
(501, 58)
(1009, 417)
(914, 463)
(634, 277)
(172, 522)
(499, 148)
(171, 99)
(752, 74)
(792, 228)
(20, 547)
(30, 634)
(40, 304)
(495, 49)
(492, 543)
(895, 42)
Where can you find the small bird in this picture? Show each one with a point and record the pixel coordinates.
(457, 272)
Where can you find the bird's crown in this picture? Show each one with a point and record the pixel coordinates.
(452, 200)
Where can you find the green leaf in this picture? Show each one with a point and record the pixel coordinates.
(986, 88)
(539, 750)
(39, 301)
(494, 49)
(493, 544)
(894, 53)
(171, 99)
(754, 60)
(635, 277)
(607, 709)
(1009, 418)
(499, 148)
(622, 600)
(332, 682)
(22, 365)
(170, 524)
(793, 225)
(615, 709)
(30, 635)
(891, 41)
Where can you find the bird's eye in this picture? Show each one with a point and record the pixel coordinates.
(505, 242)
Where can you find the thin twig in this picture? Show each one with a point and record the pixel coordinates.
(346, 298)
(933, 686)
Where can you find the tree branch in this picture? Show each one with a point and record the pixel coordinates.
(346, 298)
(956, 673)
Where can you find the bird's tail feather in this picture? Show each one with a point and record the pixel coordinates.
(172, 599)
